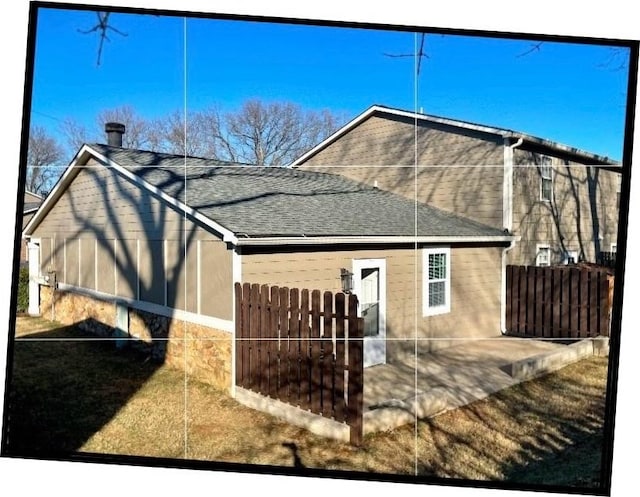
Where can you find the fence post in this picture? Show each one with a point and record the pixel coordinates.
(239, 330)
(327, 356)
(509, 299)
(339, 404)
(355, 390)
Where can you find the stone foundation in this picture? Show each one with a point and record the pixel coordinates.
(205, 353)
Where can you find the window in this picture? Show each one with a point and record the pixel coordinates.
(436, 281)
(543, 255)
(546, 179)
(570, 257)
(618, 190)
(614, 247)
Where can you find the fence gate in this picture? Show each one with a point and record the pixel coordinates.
(558, 302)
(302, 348)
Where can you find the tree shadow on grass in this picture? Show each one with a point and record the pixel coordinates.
(66, 384)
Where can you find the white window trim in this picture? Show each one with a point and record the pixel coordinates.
(614, 248)
(567, 253)
(539, 247)
(546, 162)
(442, 309)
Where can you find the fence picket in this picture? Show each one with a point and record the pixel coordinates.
(301, 348)
(530, 327)
(316, 372)
(594, 287)
(509, 299)
(294, 346)
(283, 353)
(522, 299)
(274, 341)
(264, 339)
(305, 362)
(355, 390)
(565, 305)
(339, 403)
(254, 328)
(558, 302)
(574, 302)
(239, 331)
(327, 356)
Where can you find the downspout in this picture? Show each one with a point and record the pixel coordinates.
(507, 221)
(507, 184)
(503, 286)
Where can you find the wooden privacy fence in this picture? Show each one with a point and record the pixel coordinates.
(302, 349)
(607, 259)
(558, 302)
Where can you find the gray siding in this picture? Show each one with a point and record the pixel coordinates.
(583, 215)
(475, 289)
(133, 229)
(459, 171)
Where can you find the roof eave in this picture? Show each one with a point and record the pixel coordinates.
(58, 190)
(501, 132)
(372, 240)
(72, 170)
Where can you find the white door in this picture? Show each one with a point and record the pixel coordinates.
(369, 285)
(34, 278)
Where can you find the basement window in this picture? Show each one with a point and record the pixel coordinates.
(543, 255)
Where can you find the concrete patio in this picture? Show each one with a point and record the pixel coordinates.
(434, 382)
(399, 392)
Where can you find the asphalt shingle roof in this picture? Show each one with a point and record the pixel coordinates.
(256, 201)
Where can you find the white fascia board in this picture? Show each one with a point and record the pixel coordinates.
(227, 235)
(331, 138)
(382, 240)
(58, 189)
(396, 112)
(72, 171)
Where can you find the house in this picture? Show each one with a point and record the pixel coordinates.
(151, 244)
(31, 203)
(560, 201)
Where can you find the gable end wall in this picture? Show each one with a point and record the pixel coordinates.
(108, 235)
(459, 171)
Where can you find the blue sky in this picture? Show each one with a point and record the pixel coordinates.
(563, 92)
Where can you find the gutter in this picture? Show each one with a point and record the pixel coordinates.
(344, 240)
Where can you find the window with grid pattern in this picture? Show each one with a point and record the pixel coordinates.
(546, 179)
(543, 255)
(436, 290)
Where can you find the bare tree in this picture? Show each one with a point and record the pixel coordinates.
(263, 134)
(75, 133)
(274, 134)
(43, 157)
(194, 134)
(140, 132)
(138, 129)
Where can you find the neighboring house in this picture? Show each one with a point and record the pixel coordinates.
(561, 202)
(31, 203)
(162, 238)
